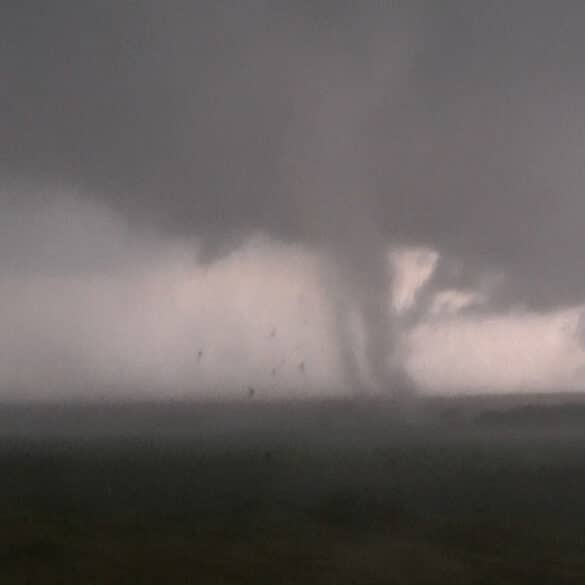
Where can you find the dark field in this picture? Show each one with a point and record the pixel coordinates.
(486, 492)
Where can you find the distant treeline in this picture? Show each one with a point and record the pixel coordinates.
(555, 414)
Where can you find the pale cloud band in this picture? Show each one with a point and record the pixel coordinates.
(136, 329)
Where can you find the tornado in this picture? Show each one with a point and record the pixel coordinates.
(335, 197)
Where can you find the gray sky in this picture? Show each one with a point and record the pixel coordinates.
(129, 129)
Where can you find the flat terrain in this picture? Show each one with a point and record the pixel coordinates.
(453, 491)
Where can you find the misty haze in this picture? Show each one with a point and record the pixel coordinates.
(292, 291)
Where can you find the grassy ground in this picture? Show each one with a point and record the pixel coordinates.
(444, 503)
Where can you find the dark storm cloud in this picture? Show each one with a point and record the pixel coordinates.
(183, 115)
(351, 126)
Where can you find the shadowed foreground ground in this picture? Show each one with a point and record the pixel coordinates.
(328, 493)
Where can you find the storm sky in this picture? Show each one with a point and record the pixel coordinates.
(204, 197)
